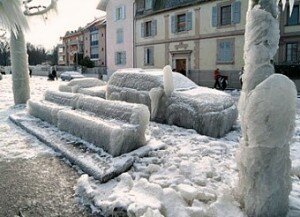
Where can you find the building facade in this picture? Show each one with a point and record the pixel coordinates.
(61, 55)
(120, 33)
(95, 41)
(73, 47)
(194, 37)
(289, 46)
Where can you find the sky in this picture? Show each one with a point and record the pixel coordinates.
(70, 15)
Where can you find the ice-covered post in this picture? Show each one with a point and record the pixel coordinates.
(267, 109)
(168, 80)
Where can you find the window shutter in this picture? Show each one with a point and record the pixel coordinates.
(214, 17)
(115, 14)
(142, 30)
(152, 56)
(236, 12)
(123, 12)
(154, 28)
(123, 58)
(145, 56)
(173, 24)
(189, 21)
(116, 58)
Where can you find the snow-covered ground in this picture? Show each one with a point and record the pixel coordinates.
(194, 175)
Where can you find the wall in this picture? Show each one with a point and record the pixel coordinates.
(112, 26)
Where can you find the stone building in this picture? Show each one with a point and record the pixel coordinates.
(193, 36)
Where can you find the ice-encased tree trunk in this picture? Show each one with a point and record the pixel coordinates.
(19, 64)
(13, 19)
(267, 109)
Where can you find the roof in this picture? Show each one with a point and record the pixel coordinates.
(102, 5)
(163, 5)
(100, 21)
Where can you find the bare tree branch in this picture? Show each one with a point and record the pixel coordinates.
(39, 9)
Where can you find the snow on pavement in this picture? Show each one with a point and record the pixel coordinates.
(194, 176)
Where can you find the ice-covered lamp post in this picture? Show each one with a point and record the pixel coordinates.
(267, 109)
(13, 19)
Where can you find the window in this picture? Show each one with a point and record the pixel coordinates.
(148, 4)
(225, 51)
(95, 52)
(225, 15)
(294, 18)
(61, 50)
(292, 52)
(120, 36)
(94, 38)
(120, 58)
(149, 56)
(182, 22)
(120, 13)
(149, 28)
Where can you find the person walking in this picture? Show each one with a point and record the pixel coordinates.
(241, 76)
(54, 73)
(217, 75)
(30, 72)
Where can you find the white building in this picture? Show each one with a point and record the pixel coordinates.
(120, 33)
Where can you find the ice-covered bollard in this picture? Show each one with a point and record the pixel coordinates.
(267, 108)
(168, 80)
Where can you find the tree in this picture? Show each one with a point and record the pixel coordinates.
(87, 62)
(4, 53)
(267, 109)
(13, 19)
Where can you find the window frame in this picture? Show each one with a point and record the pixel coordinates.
(120, 32)
(119, 54)
(221, 20)
(148, 55)
(178, 23)
(296, 54)
(288, 16)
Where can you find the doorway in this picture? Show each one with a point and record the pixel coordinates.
(181, 66)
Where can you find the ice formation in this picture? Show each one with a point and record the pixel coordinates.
(76, 85)
(267, 107)
(117, 127)
(208, 111)
(97, 91)
(19, 67)
(168, 80)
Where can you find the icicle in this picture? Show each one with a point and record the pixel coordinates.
(168, 80)
(291, 6)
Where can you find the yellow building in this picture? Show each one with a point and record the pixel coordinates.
(194, 37)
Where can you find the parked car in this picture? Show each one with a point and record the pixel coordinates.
(208, 111)
(68, 76)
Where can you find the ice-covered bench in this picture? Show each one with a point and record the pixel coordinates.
(117, 127)
(88, 86)
(54, 101)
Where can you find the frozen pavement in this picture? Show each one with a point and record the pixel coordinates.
(33, 181)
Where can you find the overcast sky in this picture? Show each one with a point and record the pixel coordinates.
(71, 15)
